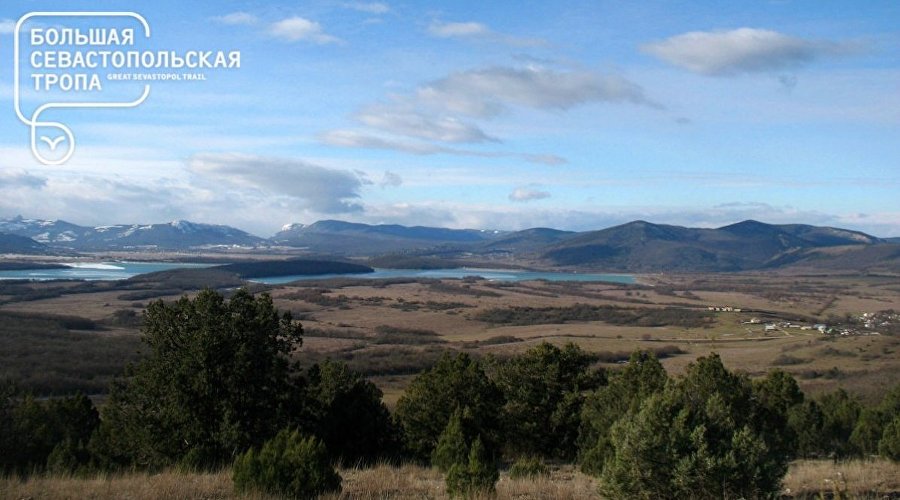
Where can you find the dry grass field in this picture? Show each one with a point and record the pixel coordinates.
(805, 479)
(391, 329)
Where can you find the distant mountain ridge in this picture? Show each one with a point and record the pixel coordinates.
(174, 235)
(333, 236)
(638, 246)
(747, 245)
(15, 244)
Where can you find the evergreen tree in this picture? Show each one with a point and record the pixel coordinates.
(347, 414)
(776, 394)
(806, 422)
(476, 476)
(889, 446)
(543, 392)
(289, 465)
(452, 447)
(872, 422)
(698, 438)
(431, 398)
(216, 382)
(32, 430)
(840, 414)
(642, 377)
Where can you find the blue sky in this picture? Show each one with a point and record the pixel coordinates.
(507, 115)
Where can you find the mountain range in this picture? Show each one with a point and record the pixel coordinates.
(176, 235)
(332, 236)
(637, 246)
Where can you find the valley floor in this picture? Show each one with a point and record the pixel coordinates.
(389, 330)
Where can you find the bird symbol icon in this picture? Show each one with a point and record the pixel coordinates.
(53, 143)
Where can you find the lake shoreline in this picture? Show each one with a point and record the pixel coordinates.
(119, 270)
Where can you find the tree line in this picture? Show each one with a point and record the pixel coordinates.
(218, 388)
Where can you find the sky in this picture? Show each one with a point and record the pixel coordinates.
(505, 115)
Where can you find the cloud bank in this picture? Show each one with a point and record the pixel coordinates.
(743, 50)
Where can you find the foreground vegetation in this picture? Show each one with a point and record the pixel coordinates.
(805, 479)
(219, 388)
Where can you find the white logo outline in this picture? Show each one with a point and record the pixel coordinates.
(35, 122)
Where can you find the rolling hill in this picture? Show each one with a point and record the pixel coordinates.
(15, 244)
(642, 246)
(346, 238)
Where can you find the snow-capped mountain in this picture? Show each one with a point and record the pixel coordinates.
(179, 234)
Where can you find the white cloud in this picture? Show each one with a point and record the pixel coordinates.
(368, 7)
(402, 119)
(237, 18)
(545, 159)
(487, 92)
(390, 179)
(354, 139)
(95, 200)
(743, 50)
(294, 29)
(525, 194)
(20, 178)
(477, 31)
(444, 110)
(7, 26)
(324, 190)
(452, 30)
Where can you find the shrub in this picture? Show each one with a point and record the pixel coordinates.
(452, 447)
(426, 407)
(840, 413)
(288, 465)
(528, 467)
(805, 421)
(217, 381)
(889, 446)
(348, 415)
(543, 391)
(68, 457)
(642, 377)
(34, 433)
(698, 438)
(872, 422)
(776, 394)
(475, 476)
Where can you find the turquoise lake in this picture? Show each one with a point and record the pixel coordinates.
(123, 270)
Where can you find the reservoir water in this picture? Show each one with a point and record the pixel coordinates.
(96, 271)
(489, 274)
(125, 269)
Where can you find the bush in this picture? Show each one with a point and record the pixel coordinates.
(889, 446)
(528, 467)
(288, 465)
(217, 381)
(452, 447)
(805, 421)
(475, 476)
(698, 438)
(870, 427)
(431, 398)
(776, 394)
(543, 391)
(348, 415)
(840, 413)
(642, 377)
(35, 433)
